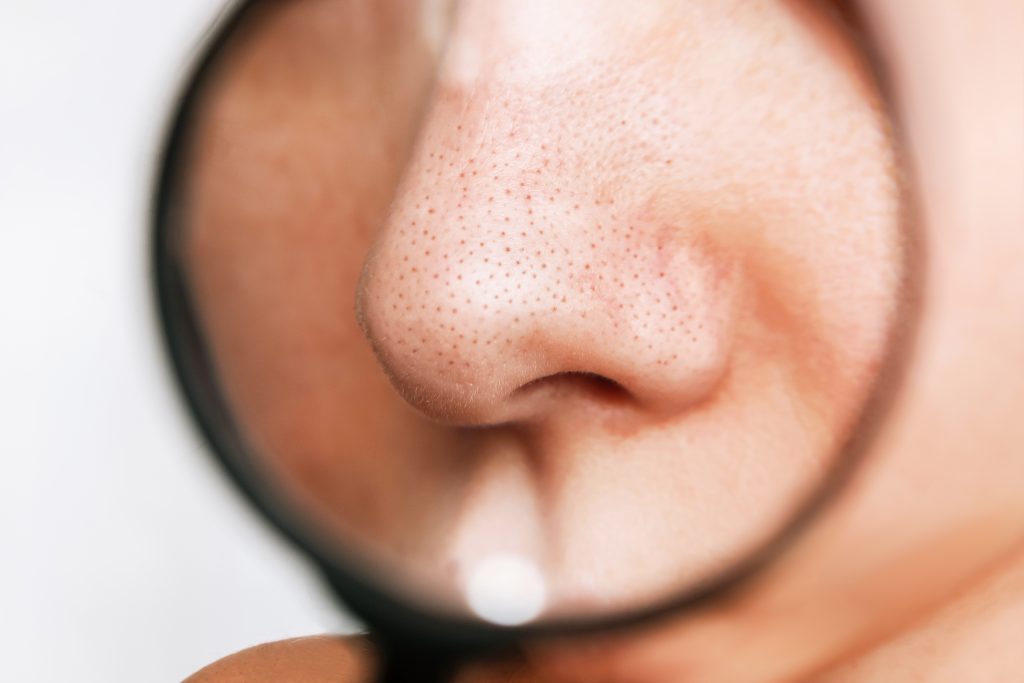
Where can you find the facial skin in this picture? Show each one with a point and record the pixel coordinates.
(861, 573)
(639, 265)
(632, 195)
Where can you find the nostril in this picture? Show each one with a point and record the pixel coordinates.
(590, 384)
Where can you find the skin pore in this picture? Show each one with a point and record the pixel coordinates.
(889, 572)
(634, 267)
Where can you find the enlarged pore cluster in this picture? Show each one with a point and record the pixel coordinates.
(509, 258)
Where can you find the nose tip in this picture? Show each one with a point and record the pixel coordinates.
(502, 301)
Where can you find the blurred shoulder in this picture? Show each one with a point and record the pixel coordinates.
(327, 659)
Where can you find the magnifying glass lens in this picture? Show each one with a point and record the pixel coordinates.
(497, 367)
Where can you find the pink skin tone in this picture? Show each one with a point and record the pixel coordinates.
(638, 267)
(555, 226)
(767, 263)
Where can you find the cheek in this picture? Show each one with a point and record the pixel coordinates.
(292, 171)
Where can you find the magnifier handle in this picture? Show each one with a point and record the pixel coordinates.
(404, 666)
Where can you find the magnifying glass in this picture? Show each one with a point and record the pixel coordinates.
(490, 405)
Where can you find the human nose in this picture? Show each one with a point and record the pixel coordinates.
(501, 289)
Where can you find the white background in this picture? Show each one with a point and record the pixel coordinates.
(125, 554)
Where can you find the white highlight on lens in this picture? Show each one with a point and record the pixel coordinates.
(506, 589)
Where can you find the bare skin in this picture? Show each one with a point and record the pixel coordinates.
(302, 660)
(937, 595)
(606, 300)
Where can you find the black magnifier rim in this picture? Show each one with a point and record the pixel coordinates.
(370, 599)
